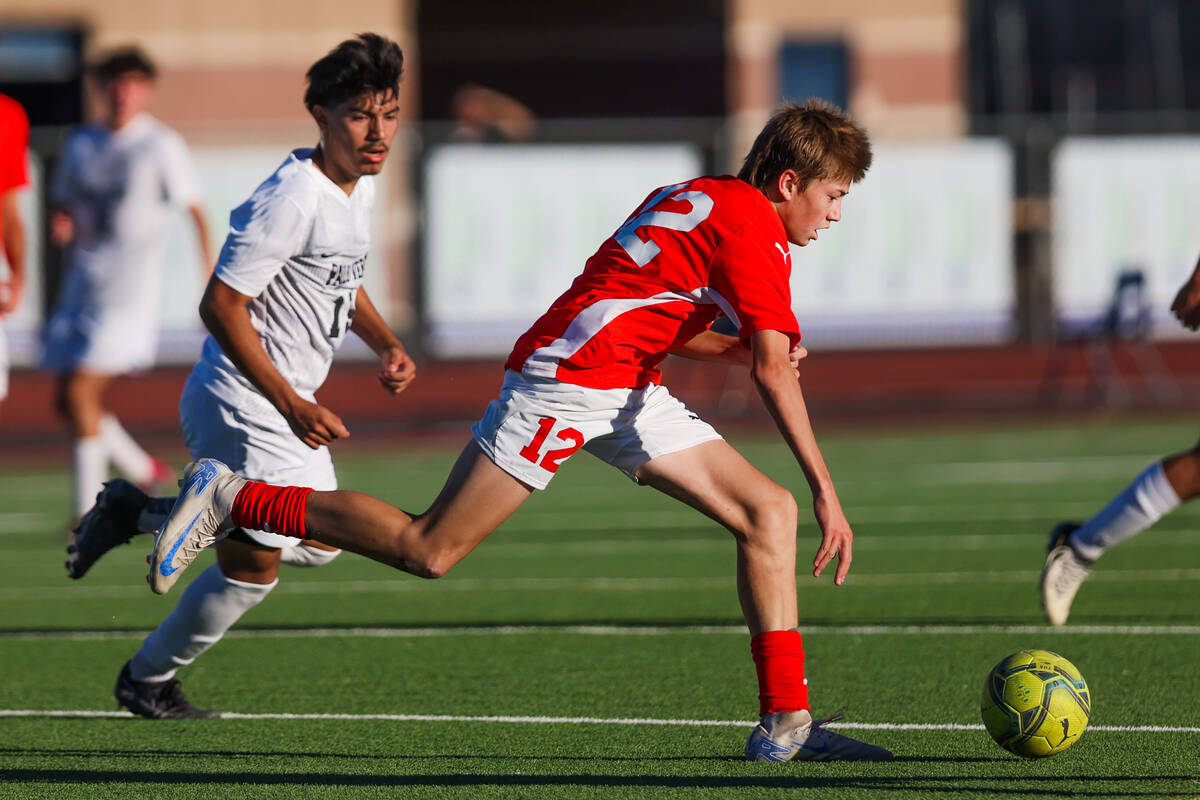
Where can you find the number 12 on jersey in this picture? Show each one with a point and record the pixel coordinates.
(553, 458)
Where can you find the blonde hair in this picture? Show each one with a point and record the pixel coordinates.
(816, 139)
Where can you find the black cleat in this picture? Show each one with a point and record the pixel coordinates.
(110, 522)
(157, 700)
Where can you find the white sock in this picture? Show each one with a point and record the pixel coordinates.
(128, 455)
(304, 555)
(1137, 507)
(210, 606)
(152, 516)
(90, 468)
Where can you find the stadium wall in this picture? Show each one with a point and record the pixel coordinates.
(865, 388)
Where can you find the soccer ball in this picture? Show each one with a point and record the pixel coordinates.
(1035, 703)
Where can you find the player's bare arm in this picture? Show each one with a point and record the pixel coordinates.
(12, 239)
(774, 376)
(721, 348)
(200, 220)
(225, 313)
(1187, 301)
(397, 369)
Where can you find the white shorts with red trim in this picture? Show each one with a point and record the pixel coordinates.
(538, 423)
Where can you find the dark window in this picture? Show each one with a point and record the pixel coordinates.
(813, 69)
(42, 69)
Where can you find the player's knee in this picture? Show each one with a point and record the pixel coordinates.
(773, 517)
(778, 513)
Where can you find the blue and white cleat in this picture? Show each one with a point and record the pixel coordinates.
(199, 518)
(796, 736)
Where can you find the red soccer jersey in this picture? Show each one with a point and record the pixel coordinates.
(14, 139)
(689, 253)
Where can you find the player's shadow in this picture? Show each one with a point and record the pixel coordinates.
(1022, 786)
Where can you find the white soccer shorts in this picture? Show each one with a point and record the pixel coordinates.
(111, 342)
(536, 424)
(254, 440)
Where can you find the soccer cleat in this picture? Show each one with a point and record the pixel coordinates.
(1063, 574)
(796, 736)
(157, 700)
(199, 518)
(110, 522)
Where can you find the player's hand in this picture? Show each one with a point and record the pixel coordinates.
(396, 371)
(1186, 307)
(62, 228)
(10, 295)
(836, 538)
(795, 355)
(314, 424)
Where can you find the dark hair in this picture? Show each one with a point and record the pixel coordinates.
(121, 61)
(367, 63)
(817, 140)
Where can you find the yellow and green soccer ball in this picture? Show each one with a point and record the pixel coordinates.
(1035, 703)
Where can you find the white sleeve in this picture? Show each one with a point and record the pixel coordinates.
(179, 177)
(263, 235)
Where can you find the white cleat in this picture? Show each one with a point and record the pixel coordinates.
(1063, 574)
(796, 736)
(199, 518)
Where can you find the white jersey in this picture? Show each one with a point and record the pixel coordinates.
(298, 246)
(120, 188)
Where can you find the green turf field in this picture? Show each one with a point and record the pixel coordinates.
(593, 646)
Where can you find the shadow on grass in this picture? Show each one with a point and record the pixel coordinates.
(994, 785)
(136, 752)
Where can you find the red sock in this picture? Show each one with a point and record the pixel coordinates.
(779, 659)
(275, 509)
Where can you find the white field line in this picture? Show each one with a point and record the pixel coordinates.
(686, 519)
(723, 723)
(68, 593)
(627, 630)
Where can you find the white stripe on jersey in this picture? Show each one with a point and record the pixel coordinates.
(589, 322)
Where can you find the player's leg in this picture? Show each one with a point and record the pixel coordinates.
(717, 481)
(148, 472)
(78, 399)
(477, 498)
(245, 573)
(1155, 492)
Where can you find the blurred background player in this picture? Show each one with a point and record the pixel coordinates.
(14, 140)
(586, 376)
(286, 289)
(116, 184)
(1157, 491)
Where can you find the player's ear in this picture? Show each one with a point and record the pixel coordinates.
(788, 183)
(321, 116)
